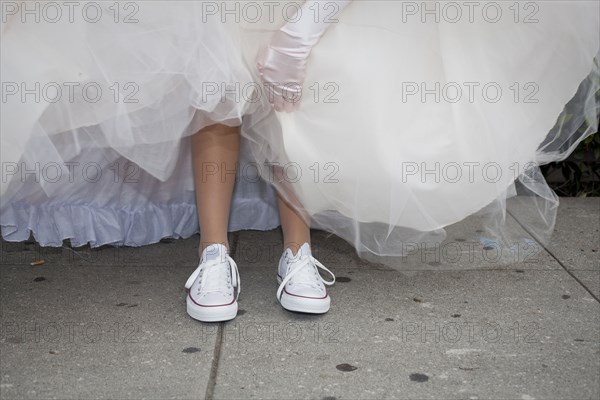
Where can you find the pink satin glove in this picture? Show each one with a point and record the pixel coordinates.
(282, 64)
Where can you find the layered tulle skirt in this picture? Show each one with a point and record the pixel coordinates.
(413, 117)
(98, 118)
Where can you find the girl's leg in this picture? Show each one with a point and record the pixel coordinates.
(215, 284)
(295, 231)
(215, 152)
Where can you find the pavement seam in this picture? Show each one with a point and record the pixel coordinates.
(212, 377)
(553, 256)
(214, 368)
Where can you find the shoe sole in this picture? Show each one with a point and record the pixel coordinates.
(304, 304)
(212, 314)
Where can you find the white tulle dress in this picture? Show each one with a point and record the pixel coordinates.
(413, 117)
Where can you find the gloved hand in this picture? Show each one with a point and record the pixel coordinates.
(282, 64)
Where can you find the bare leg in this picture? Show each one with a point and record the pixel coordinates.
(215, 152)
(296, 232)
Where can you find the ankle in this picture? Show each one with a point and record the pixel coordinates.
(294, 247)
(207, 245)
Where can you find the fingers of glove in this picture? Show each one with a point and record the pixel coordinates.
(292, 95)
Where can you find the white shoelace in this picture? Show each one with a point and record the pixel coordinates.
(306, 274)
(216, 278)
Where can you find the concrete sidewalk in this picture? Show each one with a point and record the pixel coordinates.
(111, 323)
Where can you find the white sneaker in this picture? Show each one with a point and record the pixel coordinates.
(211, 286)
(301, 286)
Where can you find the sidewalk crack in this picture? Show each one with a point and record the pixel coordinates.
(214, 368)
(553, 256)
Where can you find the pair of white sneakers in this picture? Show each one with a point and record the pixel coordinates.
(214, 287)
